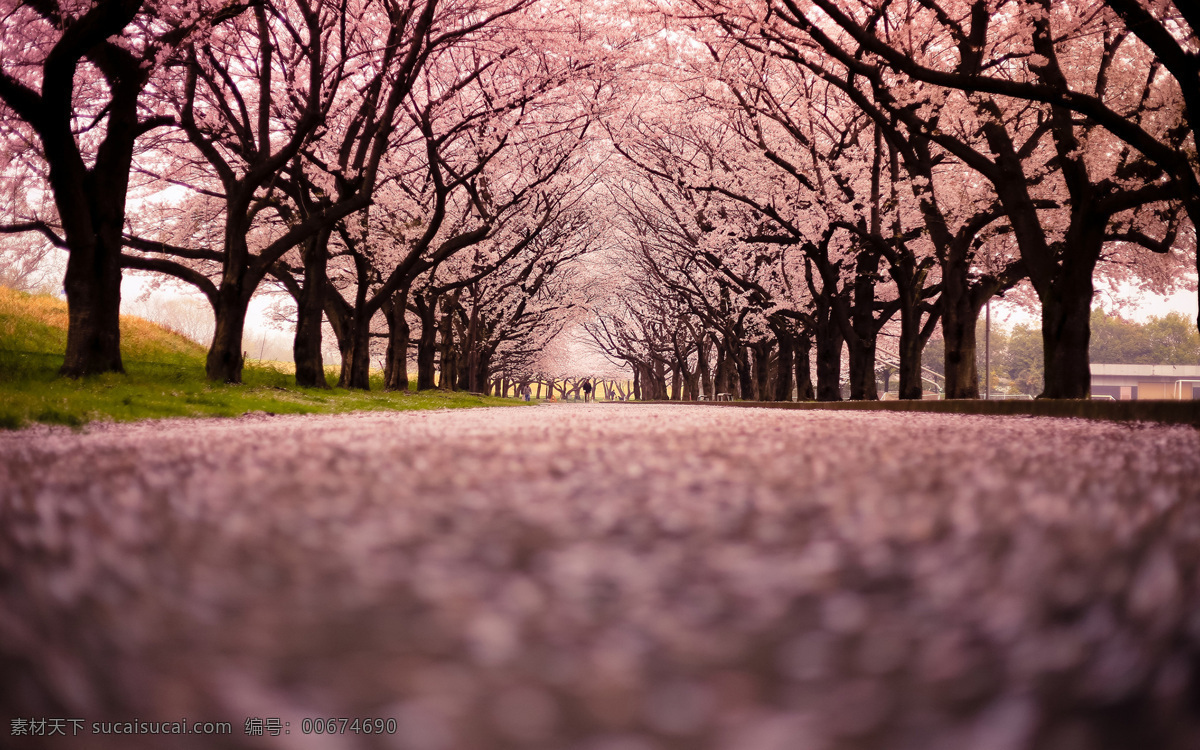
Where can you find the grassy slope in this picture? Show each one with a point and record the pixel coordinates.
(164, 377)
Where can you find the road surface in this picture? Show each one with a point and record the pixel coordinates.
(604, 577)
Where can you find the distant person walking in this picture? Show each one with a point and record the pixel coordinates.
(526, 392)
(587, 390)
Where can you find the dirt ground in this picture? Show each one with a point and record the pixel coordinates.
(603, 577)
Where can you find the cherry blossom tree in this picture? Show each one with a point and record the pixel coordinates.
(1099, 188)
(72, 89)
(251, 103)
(959, 214)
(356, 133)
(1165, 55)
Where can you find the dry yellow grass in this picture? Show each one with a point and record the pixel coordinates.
(38, 323)
(138, 334)
(41, 308)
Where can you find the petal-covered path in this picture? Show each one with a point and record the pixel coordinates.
(605, 577)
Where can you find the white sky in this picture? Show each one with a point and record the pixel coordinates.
(1128, 301)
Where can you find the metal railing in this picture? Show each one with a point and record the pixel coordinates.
(1177, 389)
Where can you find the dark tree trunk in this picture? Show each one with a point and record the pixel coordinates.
(784, 365)
(356, 349)
(465, 366)
(447, 347)
(910, 284)
(659, 379)
(481, 373)
(910, 365)
(862, 371)
(1066, 330)
(706, 379)
(426, 359)
(467, 359)
(426, 342)
(448, 372)
(472, 345)
(395, 375)
(865, 328)
(225, 355)
(761, 352)
(829, 354)
(959, 316)
(911, 343)
(93, 288)
(745, 375)
(650, 385)
(310, 309)
(725, 375)
(804, 385)
(1061, 274)
(356, 358)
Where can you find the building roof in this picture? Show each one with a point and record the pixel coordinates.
(1159, 371)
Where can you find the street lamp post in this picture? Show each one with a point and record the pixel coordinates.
(987, 351)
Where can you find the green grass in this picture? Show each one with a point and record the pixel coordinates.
(164, 378)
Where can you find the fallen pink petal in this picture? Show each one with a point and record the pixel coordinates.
(609, 576)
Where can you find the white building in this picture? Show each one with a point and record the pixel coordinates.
(1134, 382)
